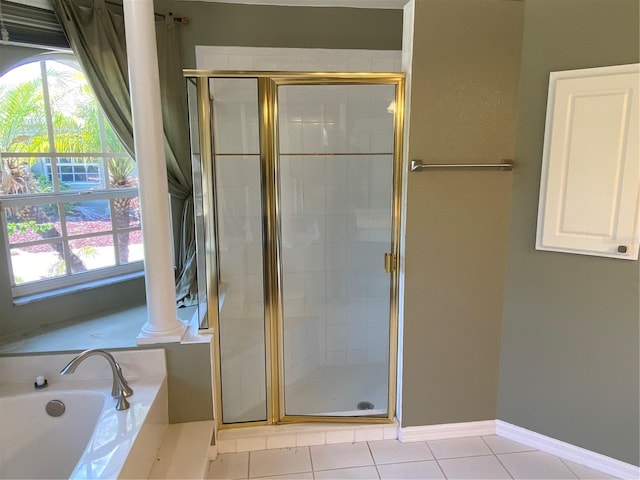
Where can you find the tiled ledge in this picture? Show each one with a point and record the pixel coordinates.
(299, 435)
(111, 330)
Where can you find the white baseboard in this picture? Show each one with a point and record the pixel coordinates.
(567, 451)
(447, 430)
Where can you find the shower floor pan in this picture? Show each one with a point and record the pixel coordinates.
(337, 391)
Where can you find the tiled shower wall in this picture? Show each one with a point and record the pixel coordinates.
(336, 223)
(335, 218)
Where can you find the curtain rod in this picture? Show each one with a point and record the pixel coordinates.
(182, 20)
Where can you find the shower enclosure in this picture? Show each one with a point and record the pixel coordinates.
(297, 186)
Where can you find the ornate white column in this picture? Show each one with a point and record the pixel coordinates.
(162, 324)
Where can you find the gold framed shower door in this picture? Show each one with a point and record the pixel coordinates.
(268, 83)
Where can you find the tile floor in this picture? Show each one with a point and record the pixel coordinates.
(489, 457)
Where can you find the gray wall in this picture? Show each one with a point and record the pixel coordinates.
(569, 362)
(11, 55)
(275, 26)
(466, 61)
(189, 380)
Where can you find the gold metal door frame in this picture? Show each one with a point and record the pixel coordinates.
(268, 83)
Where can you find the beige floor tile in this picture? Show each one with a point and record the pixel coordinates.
(473, 468)
(503, 445)
(230, 466)
(393, 451)
(283, 461)
(357, 473)
(291, 476)
(586, 473)
(535, 465)
(412, 470)
(458, 447)
(331, 457)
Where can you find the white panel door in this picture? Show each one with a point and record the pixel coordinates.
(590, 176)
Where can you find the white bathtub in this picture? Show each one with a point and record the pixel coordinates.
(91, 439)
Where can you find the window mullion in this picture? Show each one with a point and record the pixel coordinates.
(103, 145)
(114, 233)
(5, 233)
(105, 173)
(64, 237)
(50, 132)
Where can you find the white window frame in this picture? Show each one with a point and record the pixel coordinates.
(101, 191)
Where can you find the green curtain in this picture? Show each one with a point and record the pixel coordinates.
(96, 35)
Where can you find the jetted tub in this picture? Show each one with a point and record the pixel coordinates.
(91, 439)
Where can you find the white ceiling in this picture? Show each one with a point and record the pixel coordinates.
(393, 4)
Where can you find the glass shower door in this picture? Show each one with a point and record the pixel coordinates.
(237, 190)
(336, 164)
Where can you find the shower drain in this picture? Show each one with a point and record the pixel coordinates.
(364, 405)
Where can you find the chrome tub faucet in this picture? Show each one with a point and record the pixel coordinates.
(120, 389)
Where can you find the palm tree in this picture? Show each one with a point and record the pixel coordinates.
(121, 176)
(121, 169)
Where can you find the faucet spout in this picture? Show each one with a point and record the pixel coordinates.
(120, 389)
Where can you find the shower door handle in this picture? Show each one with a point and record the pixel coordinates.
(389, 262)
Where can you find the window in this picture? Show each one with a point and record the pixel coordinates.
(69, 207)
(75, 174)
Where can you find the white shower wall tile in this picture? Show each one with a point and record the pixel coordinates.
(312, 438)
(336, 358)
(293, 286)
(356, 357)
(281, 441)
(369, 434)
(315, 230)
(377, 336)
(235, 62)
(313, 138)
(221, 61)
(383, 64)
(336, 289)
(336, 312)
(357, 310)
(267, 63)
(336, 171)
(251, 444)
(336, 338)
(226, 446)
(290, 64)
(314, 171)
(298, 59)
(339, 436)
(315, 307)
(336, 226)
(294, 307)
(314, 285)
(362, 64)
(358, 283)
(292, 259)
(377, 355)
(314, 199)
(357, 336)
(314, 258)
